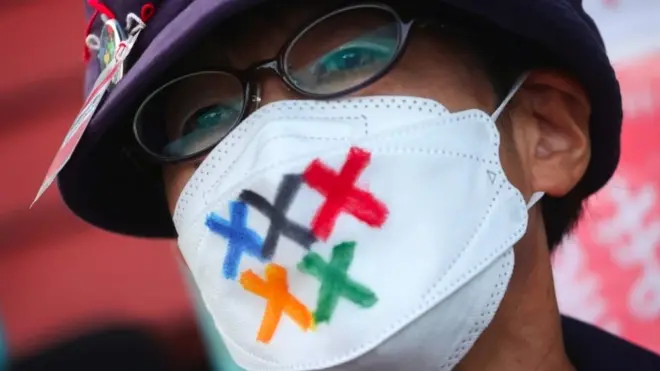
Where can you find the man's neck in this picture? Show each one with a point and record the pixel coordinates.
(525, 334)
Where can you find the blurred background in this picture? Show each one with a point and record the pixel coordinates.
(60, 278)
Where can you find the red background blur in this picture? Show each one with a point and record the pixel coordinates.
(59, 276)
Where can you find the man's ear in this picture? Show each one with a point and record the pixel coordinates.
(557, 132)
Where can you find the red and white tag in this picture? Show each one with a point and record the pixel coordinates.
(106, 79)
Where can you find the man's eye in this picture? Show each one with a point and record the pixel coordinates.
(203, 129)
(209, 117)
(351, 60)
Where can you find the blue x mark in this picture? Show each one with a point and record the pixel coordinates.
(241, 238)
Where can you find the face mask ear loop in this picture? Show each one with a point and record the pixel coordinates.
(512, 92)
(534, 199)
(516, 86)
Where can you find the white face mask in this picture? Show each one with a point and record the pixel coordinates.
(363, 234)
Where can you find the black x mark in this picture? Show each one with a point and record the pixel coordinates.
(279, 224)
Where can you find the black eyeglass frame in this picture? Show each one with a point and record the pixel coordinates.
(252, 89)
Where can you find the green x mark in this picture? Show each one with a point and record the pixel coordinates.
(335, 282)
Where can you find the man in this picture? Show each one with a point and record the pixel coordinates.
(352, 184)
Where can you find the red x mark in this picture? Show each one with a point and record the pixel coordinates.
(342, 195)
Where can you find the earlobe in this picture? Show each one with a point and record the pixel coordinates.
(562, 150)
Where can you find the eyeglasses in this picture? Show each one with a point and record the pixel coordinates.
(335, 55)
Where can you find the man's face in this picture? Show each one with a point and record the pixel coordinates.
(544, 136)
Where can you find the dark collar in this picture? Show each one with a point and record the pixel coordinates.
(592, 349)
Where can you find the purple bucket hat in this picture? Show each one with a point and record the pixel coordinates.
(105, 185)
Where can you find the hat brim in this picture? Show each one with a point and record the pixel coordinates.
(104, 185)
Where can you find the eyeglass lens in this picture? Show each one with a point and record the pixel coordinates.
(337, 53)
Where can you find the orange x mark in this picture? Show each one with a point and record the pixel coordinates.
(275, 289)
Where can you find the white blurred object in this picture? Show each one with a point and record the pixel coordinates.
(579, 289)
(631, 28)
